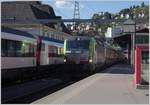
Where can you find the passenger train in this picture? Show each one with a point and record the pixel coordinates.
(86, 54)
(21, 51)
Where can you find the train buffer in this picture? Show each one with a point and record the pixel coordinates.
(112, 86)
(15, 92)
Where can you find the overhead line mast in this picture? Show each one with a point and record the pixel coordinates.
(76, 14)
(76, 10)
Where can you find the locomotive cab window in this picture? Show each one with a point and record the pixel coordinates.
(78, 44)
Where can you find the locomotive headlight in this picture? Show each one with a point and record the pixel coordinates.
(64, 60)
(90, 60)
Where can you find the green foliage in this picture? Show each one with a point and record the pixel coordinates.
(95, 16)
(107, 15)
(134, 12)
(124, 11)
(142, 5)
(131, 11)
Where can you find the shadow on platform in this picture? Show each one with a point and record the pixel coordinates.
(119, 69)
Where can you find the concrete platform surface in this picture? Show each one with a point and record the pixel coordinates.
(112, 86)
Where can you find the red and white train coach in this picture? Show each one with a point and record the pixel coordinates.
(21, 51)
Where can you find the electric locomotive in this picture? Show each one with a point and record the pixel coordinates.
(84, 54)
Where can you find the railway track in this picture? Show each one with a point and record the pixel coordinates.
(33, 89)
(29, 75)
(32, 93)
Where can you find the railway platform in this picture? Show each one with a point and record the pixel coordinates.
(111, 86)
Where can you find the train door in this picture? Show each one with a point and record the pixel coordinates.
(44, 54)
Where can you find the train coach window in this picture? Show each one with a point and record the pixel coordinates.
(11, 48)
(27, 49)
(53, 51)
(18, 48)
(4, 48)
(24, 49)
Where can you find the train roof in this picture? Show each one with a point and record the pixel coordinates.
(17, 32)
(51, 39)
(80, 37)
(28, 35)
(53, 42)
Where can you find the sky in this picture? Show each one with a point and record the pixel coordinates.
(65, 8)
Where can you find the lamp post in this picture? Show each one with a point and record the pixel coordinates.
(129, 27)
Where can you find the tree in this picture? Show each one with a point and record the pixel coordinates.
(124, 11)
(137, 6)
(146, 12)
(95, 16)
(107, 15)
(142, 4)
